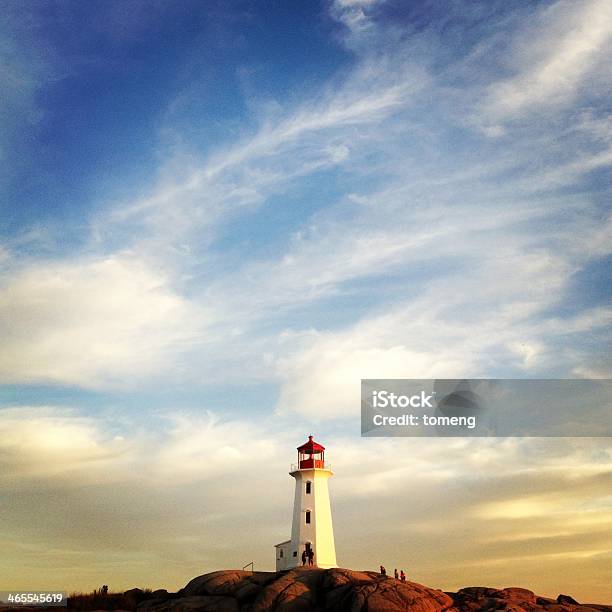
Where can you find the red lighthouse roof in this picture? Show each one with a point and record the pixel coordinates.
(311, 447)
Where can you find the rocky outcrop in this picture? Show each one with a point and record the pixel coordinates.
(305, 590)
(317, 590)
(483, 598)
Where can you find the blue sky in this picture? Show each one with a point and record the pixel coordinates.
(216, 218)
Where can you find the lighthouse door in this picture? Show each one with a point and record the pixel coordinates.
(307, 548)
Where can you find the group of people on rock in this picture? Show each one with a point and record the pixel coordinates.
(308, 555)
(398, 575)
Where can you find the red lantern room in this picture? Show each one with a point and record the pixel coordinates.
(311, 455)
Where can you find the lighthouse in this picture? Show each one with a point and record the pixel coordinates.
(312, 530)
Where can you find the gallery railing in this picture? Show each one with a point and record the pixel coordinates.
(308, 464)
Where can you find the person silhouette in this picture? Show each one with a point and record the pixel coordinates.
(311, 557)
(383, 570)
(402, 576)
(304, 557)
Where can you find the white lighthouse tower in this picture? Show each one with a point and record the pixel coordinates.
(312, 521)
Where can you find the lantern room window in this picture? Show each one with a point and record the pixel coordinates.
(311, 455)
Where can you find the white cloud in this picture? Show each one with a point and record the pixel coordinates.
(323, 380)
(459, 327)
(47, 442)
(352, 13)
(76, 449)
(91, 323)
(554, 57)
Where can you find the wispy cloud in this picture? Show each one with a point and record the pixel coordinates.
(298, 142)
(484, 227)
(555, 58)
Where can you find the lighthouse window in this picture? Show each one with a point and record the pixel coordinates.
(308, 485)
(307, 517)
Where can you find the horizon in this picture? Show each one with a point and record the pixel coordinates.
(217, 218)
